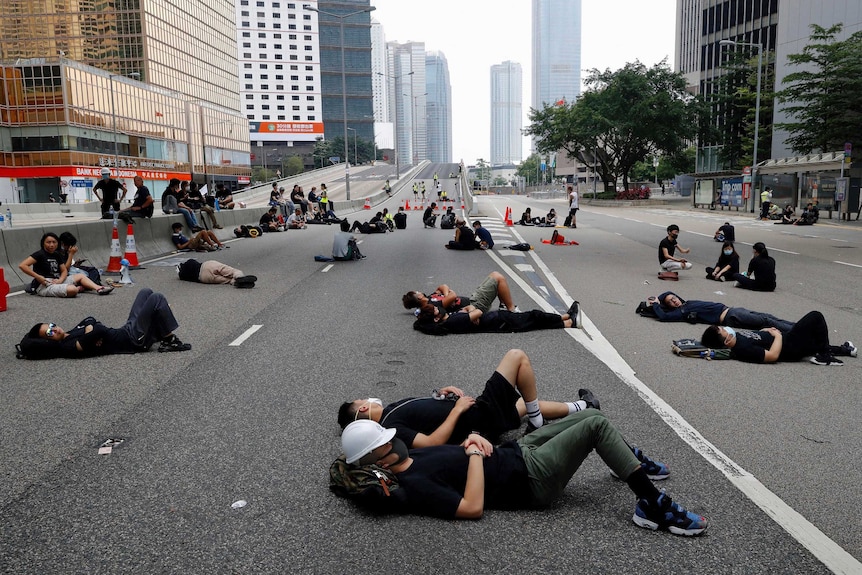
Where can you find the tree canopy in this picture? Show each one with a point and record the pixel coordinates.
(624, 116)
(824, 97)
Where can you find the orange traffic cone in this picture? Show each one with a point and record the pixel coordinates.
(131, 248)
(367, 205)
(114, 265)
(509, 221)
(406, 205)
(419, 206)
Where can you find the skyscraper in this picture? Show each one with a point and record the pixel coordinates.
(438, 107)
(506, 113)
(556, 51)
(407, 99)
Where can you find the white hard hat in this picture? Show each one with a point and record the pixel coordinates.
(362, 437)
(106, 171)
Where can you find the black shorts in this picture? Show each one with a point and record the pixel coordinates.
(494, 412)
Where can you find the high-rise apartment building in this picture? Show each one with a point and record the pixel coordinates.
(438, 107)
(506, 113)
(556, 38)
(87, 85)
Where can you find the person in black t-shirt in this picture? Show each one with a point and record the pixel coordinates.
(667, 249)
(495, 286)
(465, 239)
(461, 481)
(110, 189)
(808, 337)
(50, 275)
(449, 415)
(142, 206)
(761, 271)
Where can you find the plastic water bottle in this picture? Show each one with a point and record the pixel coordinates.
(2, 221)
(8, 218)
(217, 206)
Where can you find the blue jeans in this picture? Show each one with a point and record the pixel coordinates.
(189, 215)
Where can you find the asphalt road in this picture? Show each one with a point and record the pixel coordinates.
(767, 453)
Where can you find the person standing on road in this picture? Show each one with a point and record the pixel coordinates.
(110, 189)
(573, 206)
(667, 250)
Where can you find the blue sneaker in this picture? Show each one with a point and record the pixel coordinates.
(655, 470)
(665, 514)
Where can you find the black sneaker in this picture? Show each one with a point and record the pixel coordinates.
(665, 514)
(825, 359)
(575, 314)
(850, 348)
(174, 345)
(590, 399)
(655, 470)
(245, 282)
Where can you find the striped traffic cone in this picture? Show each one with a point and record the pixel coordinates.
(114, 265)
(131, 248)
(367, 205)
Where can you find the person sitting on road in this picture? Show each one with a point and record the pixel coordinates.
(224, 198)
(809, 337)
(428, 216)
(667, 248)
(494, 286)
(150, 320)
(213, 272)
(527, 218)
(470, 319)
(202, 241)
(142, 205)
(50, 276)
(484, 240)
(726, 266)
(725, 233)
(465, 239)
(551, 219)
(668, 307)
(461, 481)
(344, 246)
(761, 271)
(787, 216)
(296, 221)
(69, 246)
(809, 217)
(388, 220)
(400, 219)
(269, 221)
(449, 415)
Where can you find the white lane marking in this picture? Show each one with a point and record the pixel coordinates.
(832, 555)
(327, 268)
(699, 234)
(783, 251)
(525, 267)
(847, 264)
(633, 220)
(839, 240)
(247, 334)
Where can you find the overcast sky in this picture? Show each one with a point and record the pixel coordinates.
(476, 34)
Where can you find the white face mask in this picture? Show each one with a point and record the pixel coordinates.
(728, 252)
(731, 333)
(376, 400)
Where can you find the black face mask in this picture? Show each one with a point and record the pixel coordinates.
(399, 448)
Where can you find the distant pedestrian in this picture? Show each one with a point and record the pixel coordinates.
(573, 206)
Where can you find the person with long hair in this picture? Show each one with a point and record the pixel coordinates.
(727, 264)
(761, 271)
(50, 275)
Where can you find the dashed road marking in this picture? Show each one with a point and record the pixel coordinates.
(247, 334)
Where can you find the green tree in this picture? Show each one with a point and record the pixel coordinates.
(529, 169)
(625, 116)
(735, 109)
(824, 98)
(293, 166)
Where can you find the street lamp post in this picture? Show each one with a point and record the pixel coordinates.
(396, 78)
(756, 108)
(341, 18)
(355, 156)
(114, 119)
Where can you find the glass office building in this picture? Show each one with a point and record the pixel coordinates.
(506, 114)
(556, 51)
(118, 84)
(438, 107)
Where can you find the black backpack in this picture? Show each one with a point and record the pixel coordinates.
(447, 222)
(189, 270)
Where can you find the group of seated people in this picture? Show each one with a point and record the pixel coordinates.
(317, 208)
(809, 216)
(185, 197)
(549, 220)
(442, 455)
(443, 311)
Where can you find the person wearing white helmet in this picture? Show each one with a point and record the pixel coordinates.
(449, 415)
(461, 481)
